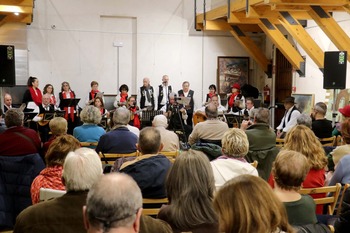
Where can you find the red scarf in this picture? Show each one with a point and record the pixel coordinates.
(123, 97)
(36, 95)
(136, 120)
(66, 108)
(211, 94)
(93, 93)
(102, 110)
(231, 101)
(53, 100)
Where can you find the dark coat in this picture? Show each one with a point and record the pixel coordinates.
(16, 176)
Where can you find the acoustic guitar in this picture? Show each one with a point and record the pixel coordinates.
(199, 117)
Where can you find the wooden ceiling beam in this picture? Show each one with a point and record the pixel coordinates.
(13, 9)
(216, 13)
(309, 2)
(303, 38)
(282, 43)
(17, 2)
(254, 51)
(304, 8)
(331, 28)
(217, 25)
(240, 5)
(241, 18)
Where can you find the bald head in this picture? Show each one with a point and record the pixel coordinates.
(113, 201)
(211, 111)
(7, 100)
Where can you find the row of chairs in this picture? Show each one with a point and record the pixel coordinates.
(331, 141)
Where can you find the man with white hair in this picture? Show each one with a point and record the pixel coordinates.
(147, 95)
(114, 204)
(81, 169)
(169, 139)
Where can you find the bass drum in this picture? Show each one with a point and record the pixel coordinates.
(198, 117)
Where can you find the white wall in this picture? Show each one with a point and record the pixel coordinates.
(73, 41)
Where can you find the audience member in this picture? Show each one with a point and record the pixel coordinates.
(190, 189)
(149, 170)
(262, 141)
(211, 130)
(169, 139)
(89, 131)
(342, 171)
(186, 92)
(114, 204)
(119, 139)
(301, 139)
(16, 139)
(344, 114)
(320, 125)
(58, 126)
(51, 176)
(290, 117)
(304, 119)
(232, 163)
(7, 102)
(147, 95)
(342, 223)
(164, 91)
(81, 169)
(247, 204)
(289, 171)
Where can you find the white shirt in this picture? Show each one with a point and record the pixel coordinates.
(165, 94)
(292, 122)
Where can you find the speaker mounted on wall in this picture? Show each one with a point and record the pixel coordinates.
(7, 66)
(334, 73)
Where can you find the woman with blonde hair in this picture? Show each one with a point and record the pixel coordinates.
(247, 204)
(190, 188)
(303, 140)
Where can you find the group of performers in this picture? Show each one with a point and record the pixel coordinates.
(173, 105)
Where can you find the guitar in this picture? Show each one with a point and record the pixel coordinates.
(199, 117)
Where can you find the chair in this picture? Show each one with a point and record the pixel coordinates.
(345, 188)
(339, 141)
(47, 194)
(254, 164)
(279, 142)
(171, 155)
(88, 144)
(152, 210)
(331, 141)
(331, 200)
(110, 158)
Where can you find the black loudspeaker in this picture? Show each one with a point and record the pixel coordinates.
(7, 66)
(334, 73)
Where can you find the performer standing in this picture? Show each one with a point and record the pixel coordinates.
(33, 93)
(48, 89)
(188, 93)
(147, 95)
(164, 91)
(70, 116)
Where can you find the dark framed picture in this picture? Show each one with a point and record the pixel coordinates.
(231, 70)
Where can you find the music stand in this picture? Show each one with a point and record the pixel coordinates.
(60, 113)
(232, 119)
(28, 117)
(69, 102)
(48, 116)
(183, 100)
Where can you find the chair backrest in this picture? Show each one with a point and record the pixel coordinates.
(331, 141)
(279, 142)
(154, 205)
(88, 144)
(331, 200)
(254, 164)
(339, 141)
(110, 158)
(171, 155)
(47, 194)
(345, 188)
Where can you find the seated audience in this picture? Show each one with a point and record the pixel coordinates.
(149, 170)
(119, 139)
(304, 119)
(344, 114)
(246, 204)
(16, 139)
(114, 204)
(211, 130)
(58, 127)
(342, 171)
(190, 189)
(81, 169)
(51, 176)
(89, 131)
(301, 139)
(289, 171)
(320, 125)
(232, 163)
(342, 223)
(169, 139)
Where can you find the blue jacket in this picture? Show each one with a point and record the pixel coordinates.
(16, 176)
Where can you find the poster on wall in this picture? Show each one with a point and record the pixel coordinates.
(231, 70)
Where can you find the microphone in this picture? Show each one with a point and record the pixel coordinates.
(276, 106)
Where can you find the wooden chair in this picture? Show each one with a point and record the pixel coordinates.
(88, 144)
(171, 155)
(153, 202)
(331, 141)
(345, 188)
(339, 141)
(254, 164)
(279, 142)
(110, 158)
(331, 201)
